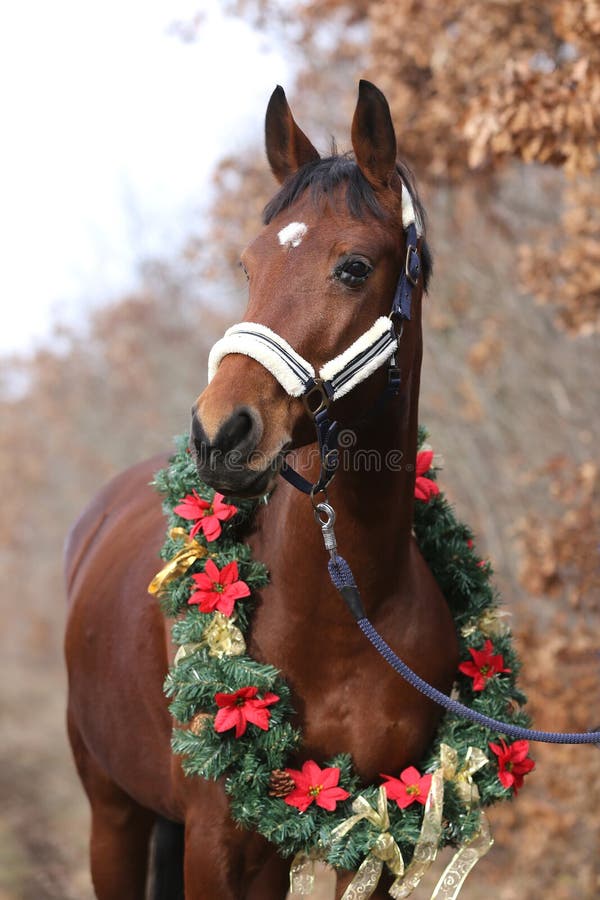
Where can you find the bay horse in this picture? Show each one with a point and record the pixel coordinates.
(324, 265)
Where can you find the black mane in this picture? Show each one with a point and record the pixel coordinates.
(324, 176)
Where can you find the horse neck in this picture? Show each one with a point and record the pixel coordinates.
(379, 499)
(374, 501)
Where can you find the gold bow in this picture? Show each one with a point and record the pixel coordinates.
(180, 563)
(463, 778)
(490, 624)
(384, 850)
(221, 636)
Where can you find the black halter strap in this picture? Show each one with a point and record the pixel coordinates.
(409, 277)
(318, 394)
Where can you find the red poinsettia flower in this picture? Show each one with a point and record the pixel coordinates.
(513, 763)
(208, 515)
(485, 665)
(425, 488)
(411, 787)
(241, 707)
(218, 588)
(315, 785)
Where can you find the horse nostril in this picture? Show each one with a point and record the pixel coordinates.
(239, 435)
(201, 442)
(241, 432)
(235, 430)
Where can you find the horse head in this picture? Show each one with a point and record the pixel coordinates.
(321, 271)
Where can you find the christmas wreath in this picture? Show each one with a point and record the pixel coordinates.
(235, 715)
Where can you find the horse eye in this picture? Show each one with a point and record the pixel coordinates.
(353, 271)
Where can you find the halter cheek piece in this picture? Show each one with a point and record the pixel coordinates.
(340, 375)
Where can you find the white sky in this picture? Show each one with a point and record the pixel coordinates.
(110, 127)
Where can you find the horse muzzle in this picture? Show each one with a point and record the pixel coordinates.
(231, 462)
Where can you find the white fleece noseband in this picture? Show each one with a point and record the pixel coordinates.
(370, 351)
(269, 349)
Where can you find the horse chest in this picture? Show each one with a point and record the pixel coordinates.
(347, 699)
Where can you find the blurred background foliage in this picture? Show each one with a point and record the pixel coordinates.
(497, 111)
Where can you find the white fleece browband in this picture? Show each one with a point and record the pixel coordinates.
(266, 347)
(370, 351)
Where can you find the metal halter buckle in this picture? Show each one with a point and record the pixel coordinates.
(407, 265)
(317, 391)
(329, 464)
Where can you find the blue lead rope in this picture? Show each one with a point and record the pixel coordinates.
(343, 580)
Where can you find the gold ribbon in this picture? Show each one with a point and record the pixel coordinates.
(385, 850)
(184, 651)
(490, 624)
(465, 858)
(302, 872)
(180, 563)
(221, 636)
(475, 760)
(428, 842)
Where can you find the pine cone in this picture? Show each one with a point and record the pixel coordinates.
(280, 784)
(198, 721)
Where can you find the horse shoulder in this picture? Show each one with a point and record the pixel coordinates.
(116, 642)
(127, 492)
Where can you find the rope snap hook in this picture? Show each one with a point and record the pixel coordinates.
(324, 514)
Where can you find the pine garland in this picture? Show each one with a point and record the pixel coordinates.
(248, 761)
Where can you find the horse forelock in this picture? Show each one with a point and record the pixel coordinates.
(323, 177)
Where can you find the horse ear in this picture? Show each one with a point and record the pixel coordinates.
(373, 136)
(288, 148)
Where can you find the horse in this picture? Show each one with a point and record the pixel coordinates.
(323, 266)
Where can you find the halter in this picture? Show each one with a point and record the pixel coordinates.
(296, 375)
